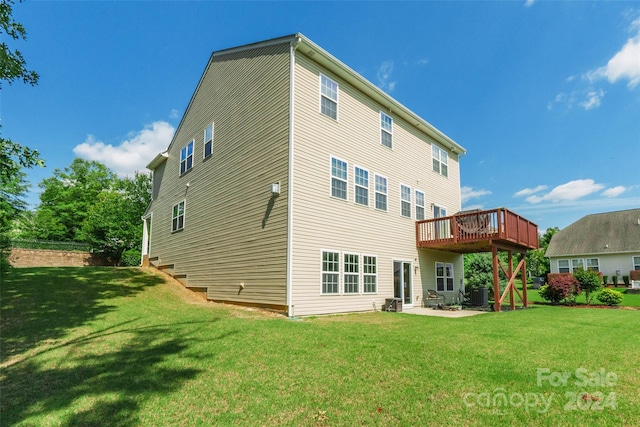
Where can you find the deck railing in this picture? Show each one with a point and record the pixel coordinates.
(477, 226)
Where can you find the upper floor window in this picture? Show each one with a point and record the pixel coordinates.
(338, 178)
(328, 97)
(420, 214)
(381, 192)
(440, 160)
(208, 140)
(177, 217)
(361, 183)
(386, 130)
(186, 158)
(405, 201)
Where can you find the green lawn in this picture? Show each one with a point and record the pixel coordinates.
(120, 347)
(630, 300)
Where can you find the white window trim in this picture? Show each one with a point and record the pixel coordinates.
(356, 185)
(586, 267)
(375, 191)
(369, 274)
(568, 265)
(204, 138)
(435, 148)
(186, 160)
(406, 201)
(184, 215)
(424, 210)
(444, 265)
(382, 129)
(633, 262)
(337, 100)
(331, 178)
(339, 272)
(345, 273)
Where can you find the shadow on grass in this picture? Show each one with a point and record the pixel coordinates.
(44, 303)
(103, 379)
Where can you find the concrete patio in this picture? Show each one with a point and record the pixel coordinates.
(427, 311)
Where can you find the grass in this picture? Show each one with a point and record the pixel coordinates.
(121, 347)
(629, 300)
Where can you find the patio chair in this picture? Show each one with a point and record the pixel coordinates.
(433, 298)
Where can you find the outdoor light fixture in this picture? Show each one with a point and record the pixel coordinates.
(275, 188)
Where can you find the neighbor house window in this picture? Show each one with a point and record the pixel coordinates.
(386, 130)
(577, 264)
(419, 205)
(444, 277)
(636, 262)
(330, 272)
(328, 97)
(381, 192)
(593, 264)
(208, 141)
(186, 158)
(177, 218)
(440, 160)
(370, 273)
(405, 201)
(338, 178)
(351, 273)
(563, 266)
(361, 183)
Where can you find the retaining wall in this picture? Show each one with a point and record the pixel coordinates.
(50, 258)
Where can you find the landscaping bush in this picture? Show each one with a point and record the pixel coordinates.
(614, 279)
(590, 282)
(604, 280)
(625, 279)
(131, 258)
(610, 297)
(562, 288)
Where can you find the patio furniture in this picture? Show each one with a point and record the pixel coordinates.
(433, 298)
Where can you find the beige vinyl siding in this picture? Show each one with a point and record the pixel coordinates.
(234, 231)
(322, 222)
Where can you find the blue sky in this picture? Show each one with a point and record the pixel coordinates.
(545, 96)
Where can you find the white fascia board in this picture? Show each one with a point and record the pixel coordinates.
(158, 160)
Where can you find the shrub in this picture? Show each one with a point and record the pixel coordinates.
(590, 282)
(625, 279)
(614, 279)
(610, 297)
(604, 280)
(130, 258)
(561, 288)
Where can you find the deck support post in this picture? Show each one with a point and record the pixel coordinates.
(496, 279)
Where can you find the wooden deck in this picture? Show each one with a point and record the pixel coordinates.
(477, 231)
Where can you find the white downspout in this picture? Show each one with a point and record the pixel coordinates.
(292, 58)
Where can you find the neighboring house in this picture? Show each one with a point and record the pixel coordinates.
(294, 183)
(606, 242)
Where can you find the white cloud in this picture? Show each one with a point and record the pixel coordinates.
(384, 76)
(593, 99)
(614, 191)
(468, 193)
(529, 3)
(174, 114)
(625, 64)
(572, 190)
(132, 154)
(528, 191)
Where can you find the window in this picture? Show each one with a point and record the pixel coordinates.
(177, 219)
(186, 158)
(386, 130)
(381, 192)
(577, 264)
(593, 264)
(444, 277)
(419, 205)
(440, 160)
(330, 272)
(328, 97)
(351, 273)
(563, 266)
(361, 183)
(405, 201)
(208, 141)
(636, 262)
(338, 178)
(370, 273)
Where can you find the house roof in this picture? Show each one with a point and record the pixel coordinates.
(604, 233)
(308, 48)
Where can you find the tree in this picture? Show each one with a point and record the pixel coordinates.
(113, 225)
(537, 263)
(68, 196)
(590, 282)
(13, 156)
